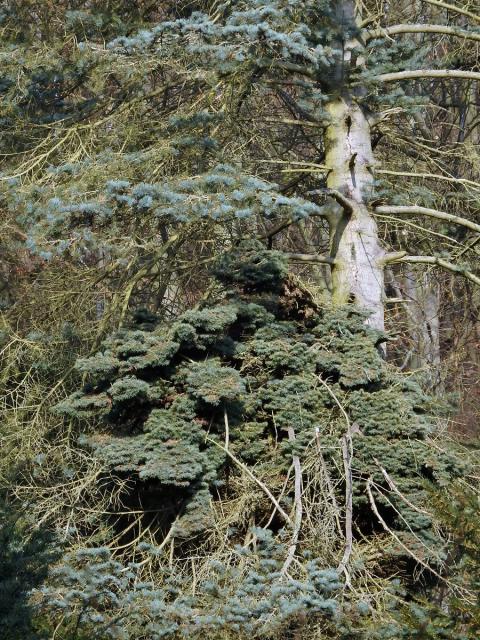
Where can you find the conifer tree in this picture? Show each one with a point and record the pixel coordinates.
(259, 382)
(333, 72)
(138, 143)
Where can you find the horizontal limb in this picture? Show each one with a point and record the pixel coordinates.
(436, 262)
(454, 8)
(431, 213)
(433, 176)
(442, 29)
(309, 258)
(427, 73)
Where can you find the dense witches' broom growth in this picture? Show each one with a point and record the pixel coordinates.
(253, 381)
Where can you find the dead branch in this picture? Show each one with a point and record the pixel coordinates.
(253, 477)
(298, 506)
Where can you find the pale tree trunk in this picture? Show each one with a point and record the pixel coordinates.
(357, 272)
(419, 294)
(355, 249)
(423, 295)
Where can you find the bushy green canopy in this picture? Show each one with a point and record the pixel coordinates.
(259, 358)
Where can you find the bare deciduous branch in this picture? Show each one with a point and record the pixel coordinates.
(454, 8)
(347, 451)
(427, 73)
(347, 455)
(342, 200)
(423, 28)
(309, 257)
(297, 523)
(432, 213)
(253, 477)
(433, 176)
(439, 262)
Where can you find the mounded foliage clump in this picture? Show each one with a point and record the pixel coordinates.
(256, 357)
(258, 382)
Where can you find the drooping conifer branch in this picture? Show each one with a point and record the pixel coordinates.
(381, 520)
(257, 481)
(302, 70)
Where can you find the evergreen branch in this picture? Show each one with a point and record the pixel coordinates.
(383, 32)
(432, 213)
(454, 8)
(427, 73)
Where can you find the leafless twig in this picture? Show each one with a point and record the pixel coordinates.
(297, 525)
